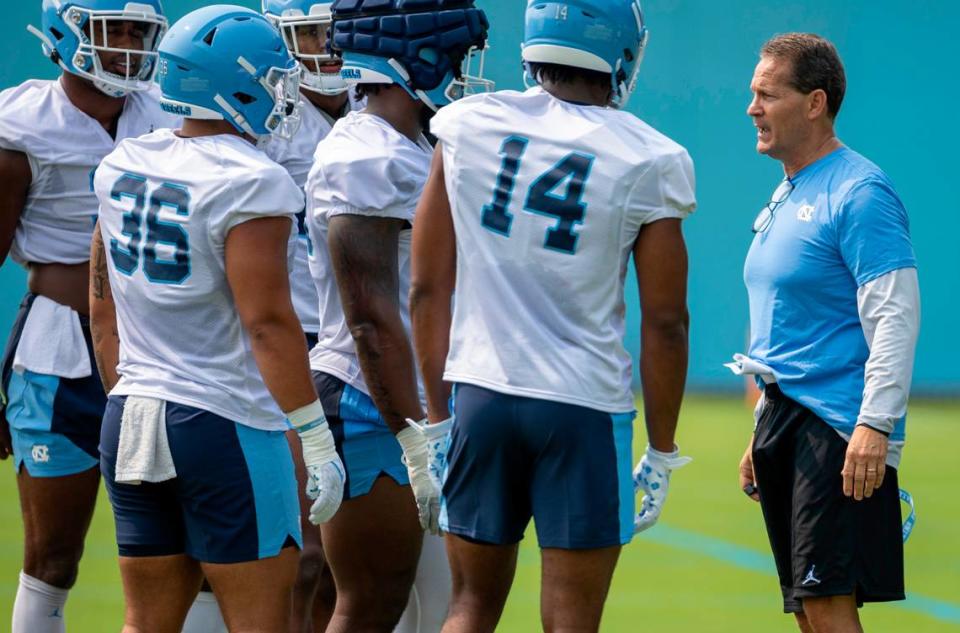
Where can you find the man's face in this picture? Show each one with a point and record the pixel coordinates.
(312, 40)
(120, 34)
(779, 111)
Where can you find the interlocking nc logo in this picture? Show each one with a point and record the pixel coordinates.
(805, 213)
(40, 453)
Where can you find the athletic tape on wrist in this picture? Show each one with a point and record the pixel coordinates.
(310, 426)
(307, 417)
(411, 440)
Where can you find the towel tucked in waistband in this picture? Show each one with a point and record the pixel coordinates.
(144, 452)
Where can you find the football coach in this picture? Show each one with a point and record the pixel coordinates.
(834, 316)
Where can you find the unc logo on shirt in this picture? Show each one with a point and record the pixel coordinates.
(805, 213)
(40, 453)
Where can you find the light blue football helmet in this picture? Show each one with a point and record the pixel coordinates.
(293, 16)
(74, 34)
(228, 62)
(434, 49)
(607, 36)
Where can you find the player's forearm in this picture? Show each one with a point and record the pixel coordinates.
(663, 372)
(106, 346)
(103, 315)
(889, 308)
(431, 316)
(386, 359)
(280, 352)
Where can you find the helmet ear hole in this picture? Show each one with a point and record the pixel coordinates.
(244, 98)
(628, 55)
(55, 33)
(428, 55)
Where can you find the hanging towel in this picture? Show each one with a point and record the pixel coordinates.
(144, 452)
(52, 342)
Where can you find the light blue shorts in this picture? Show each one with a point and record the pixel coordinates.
(54, 422)
(365, 443)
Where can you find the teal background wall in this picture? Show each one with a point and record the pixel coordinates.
(900, 111)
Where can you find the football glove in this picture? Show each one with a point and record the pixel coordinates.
(424, 453)
(325, 472)
(652, 475)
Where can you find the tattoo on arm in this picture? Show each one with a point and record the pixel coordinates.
(103, 321)
(99, 282)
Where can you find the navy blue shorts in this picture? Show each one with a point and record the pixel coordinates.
(54, 421)
(234, 498)
(367, 446)
(513, 458)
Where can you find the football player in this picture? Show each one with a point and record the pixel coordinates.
(190, 270)
(536, 201)
(361, 195)
(53, 135)
(324, 98)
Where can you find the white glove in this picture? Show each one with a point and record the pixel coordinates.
(652, 475)
(424, 452)
(325, 472)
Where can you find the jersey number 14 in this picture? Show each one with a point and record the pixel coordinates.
(569, 208)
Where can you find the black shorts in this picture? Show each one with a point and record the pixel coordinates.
(824, 544)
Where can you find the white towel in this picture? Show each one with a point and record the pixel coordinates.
(52, 342)
(745, 366)
(144, 452)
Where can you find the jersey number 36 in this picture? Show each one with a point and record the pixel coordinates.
(569, 208)
(128, 258)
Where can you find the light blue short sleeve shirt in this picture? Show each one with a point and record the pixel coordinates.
(841, 226)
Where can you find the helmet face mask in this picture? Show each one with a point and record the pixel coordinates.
(285, 119)
(471, 80)
(304, 26)
(82, 38)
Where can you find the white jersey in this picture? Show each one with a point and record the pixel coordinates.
(64, 146)
(363, 167)
(548, 199)
(296, 156)
(167, 205)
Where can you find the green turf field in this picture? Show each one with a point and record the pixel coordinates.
(705, 567)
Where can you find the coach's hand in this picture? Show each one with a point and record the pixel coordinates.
(424, 452)
(325, 472)
(748, 478)
(865, 464)
(652, 475)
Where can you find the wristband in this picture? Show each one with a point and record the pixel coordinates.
(873, 428)
(307, 417)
